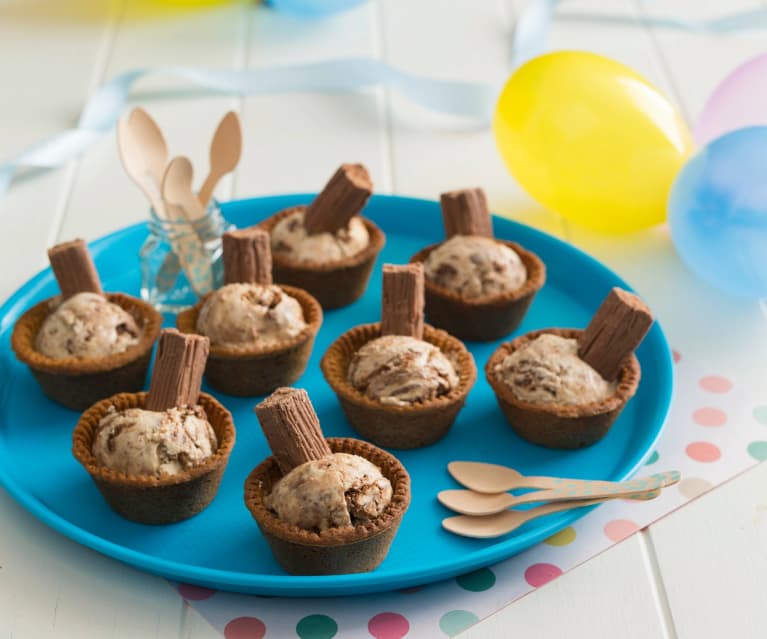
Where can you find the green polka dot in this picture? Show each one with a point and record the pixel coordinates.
(652, 459)
(760, 414)
(758, 450)
(562, 538)
(457, 621)
(477, 581)
(316, 627)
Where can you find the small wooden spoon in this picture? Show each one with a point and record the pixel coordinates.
(152, 146)
(469, 502)
(494, 478)
(503, 523)
(177, 188)
(134, 161)
(225, 152)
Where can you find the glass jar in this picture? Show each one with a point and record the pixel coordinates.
(181, 260)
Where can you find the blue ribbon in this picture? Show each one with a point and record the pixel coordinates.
(462, 99)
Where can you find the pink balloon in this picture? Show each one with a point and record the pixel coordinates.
(740, 100)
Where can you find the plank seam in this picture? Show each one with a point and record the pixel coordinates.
(657, 585)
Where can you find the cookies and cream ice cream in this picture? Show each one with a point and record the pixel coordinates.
(87, 325)
(337, 491)
(475, 266)
(143, 442)
(401, 371)
(548, 371)
(290, 239)
(239, 314)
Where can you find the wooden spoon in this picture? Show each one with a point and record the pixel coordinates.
(494, 478)
(133, 156)
(151, 144)
(469, 502)
(183, 206)
(225, 152)
(503, 523)
(177, 188)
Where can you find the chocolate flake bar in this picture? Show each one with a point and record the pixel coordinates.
(617, 328)
(178, 368)
(292, 428)
(343, 197)
(403, 300)
(247, 256)
(73, 267)
(465, 212)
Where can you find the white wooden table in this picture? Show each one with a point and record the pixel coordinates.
(700, 572)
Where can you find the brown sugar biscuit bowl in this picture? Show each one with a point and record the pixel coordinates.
(334, 284)
(146, 499)
(337, 550)
(78, 382)
(391, 426)
(247, 370)
(483, 319)
(561, 426)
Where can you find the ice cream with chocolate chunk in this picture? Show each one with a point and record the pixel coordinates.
(289, 238)
(339, 490)
(250, 313)
(548, 370)
(473, 266)
(86, 325)
(401, 371)
(154, 443)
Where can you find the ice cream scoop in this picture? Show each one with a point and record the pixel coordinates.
(401, 370)
(87, 325)
(291, 239)
(473, 266)
(250, 313)
(549, 371)
(339, 490)
(154, 443)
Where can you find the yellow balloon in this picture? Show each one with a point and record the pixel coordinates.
(591, 139)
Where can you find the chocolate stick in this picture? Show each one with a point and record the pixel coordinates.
(247, 257)
(292, 428)
(617, 328)
(74, 269)
(402, 305)
(341, 199)
(465, 212)
(178, 368)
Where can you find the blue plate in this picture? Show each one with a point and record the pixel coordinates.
(222, 547)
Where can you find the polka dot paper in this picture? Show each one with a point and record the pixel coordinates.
(716, 430)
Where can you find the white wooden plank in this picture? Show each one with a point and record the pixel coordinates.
(607, 596)
(713, 559)
(103, 198)
(44, 93)
(460, 40)
(683, 53)
(297, 140)
(51, 587)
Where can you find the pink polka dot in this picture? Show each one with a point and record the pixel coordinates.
(195, 593)
(715, 384)
(676, 355)
(388, 625)
(703, 452)
(709, 417)
(245, 628)
(539, 574)
(618, 529)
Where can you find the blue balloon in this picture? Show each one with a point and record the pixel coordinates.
(312, 8)
(718, 213)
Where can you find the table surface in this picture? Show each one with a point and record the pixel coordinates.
(699, 572)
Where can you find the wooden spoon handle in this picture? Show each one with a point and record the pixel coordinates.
(569, 490)
(488, 526)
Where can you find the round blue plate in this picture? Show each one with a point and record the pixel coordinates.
(222, 547)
